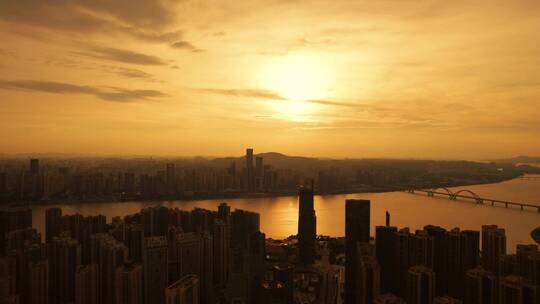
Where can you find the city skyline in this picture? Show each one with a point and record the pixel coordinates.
(175, 256)
(425, 79)
(269, 152)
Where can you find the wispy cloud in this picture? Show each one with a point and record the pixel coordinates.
(142, 19)
(332, 103)
(110, 94)
(251, 93)
(106, 68)
(267, 94)
(184, 45)
(120, 55)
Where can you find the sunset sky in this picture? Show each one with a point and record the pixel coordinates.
(384, 78)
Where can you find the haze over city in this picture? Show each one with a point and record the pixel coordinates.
(422, 79)
(269, 152)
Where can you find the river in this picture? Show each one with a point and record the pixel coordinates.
(279, 214)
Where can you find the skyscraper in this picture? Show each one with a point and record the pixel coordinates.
(420, 285)
(39, 287)
(171, 179)
(184, 291)
(129, 284)
(34, 166)
(189, 254)
(155, 269)
(421, 249)
(87, 285)
(462, 249)
(224, 212)
(480, 287)
(493, 246)
(367, 274)
(250, 176)
(53, 223)
(258, 172)
(357, 223)
(64, 257)
(307, 226)
(385, 241)
(135, 242)
(222, 251)
(524, 255)
(108, 254)
(515, 289)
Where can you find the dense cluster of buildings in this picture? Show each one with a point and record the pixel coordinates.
(171, 182)
(162, 255)
(158, 255)
(91, 179)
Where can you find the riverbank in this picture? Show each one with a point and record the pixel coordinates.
(246, 195)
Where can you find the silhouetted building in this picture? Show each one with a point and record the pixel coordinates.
(446, 300)
(171, 179)
(385, 241)
(480, 287)
(285, 275)
(515, 289)
(462, 249)
(250, 176)
(440, 257)
(64, 258)
(388, 298)
(53, 223)
(357, 224)
(129, 284)
(224, 212)
(34, 166)
(195, 257)
(493, 246)
(420, 285)
(155, 269)
(13, 219)
(307, 226)
(525, 256)
(259, 174)
(38, 292)
(155, 221)
(271, 292)
(108, 254)
(135, 242)
(367, 274)
(222, 252)
(87, 285)
(3, 182)
(184, 291)
(421, 249)
(507, 265)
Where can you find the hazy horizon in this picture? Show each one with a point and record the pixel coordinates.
(358, 79)
(238, 155)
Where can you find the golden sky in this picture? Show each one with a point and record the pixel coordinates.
(355, 78)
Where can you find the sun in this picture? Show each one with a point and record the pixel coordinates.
(298, 77)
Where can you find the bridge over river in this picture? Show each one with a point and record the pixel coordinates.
(465, 194)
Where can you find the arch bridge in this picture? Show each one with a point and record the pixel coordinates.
(466, 194)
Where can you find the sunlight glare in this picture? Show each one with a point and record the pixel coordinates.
(298, 77)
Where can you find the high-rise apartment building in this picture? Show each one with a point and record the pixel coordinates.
(307, 226)
(155, 269)
(184, 291)
(357, 224)
(420, 285)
